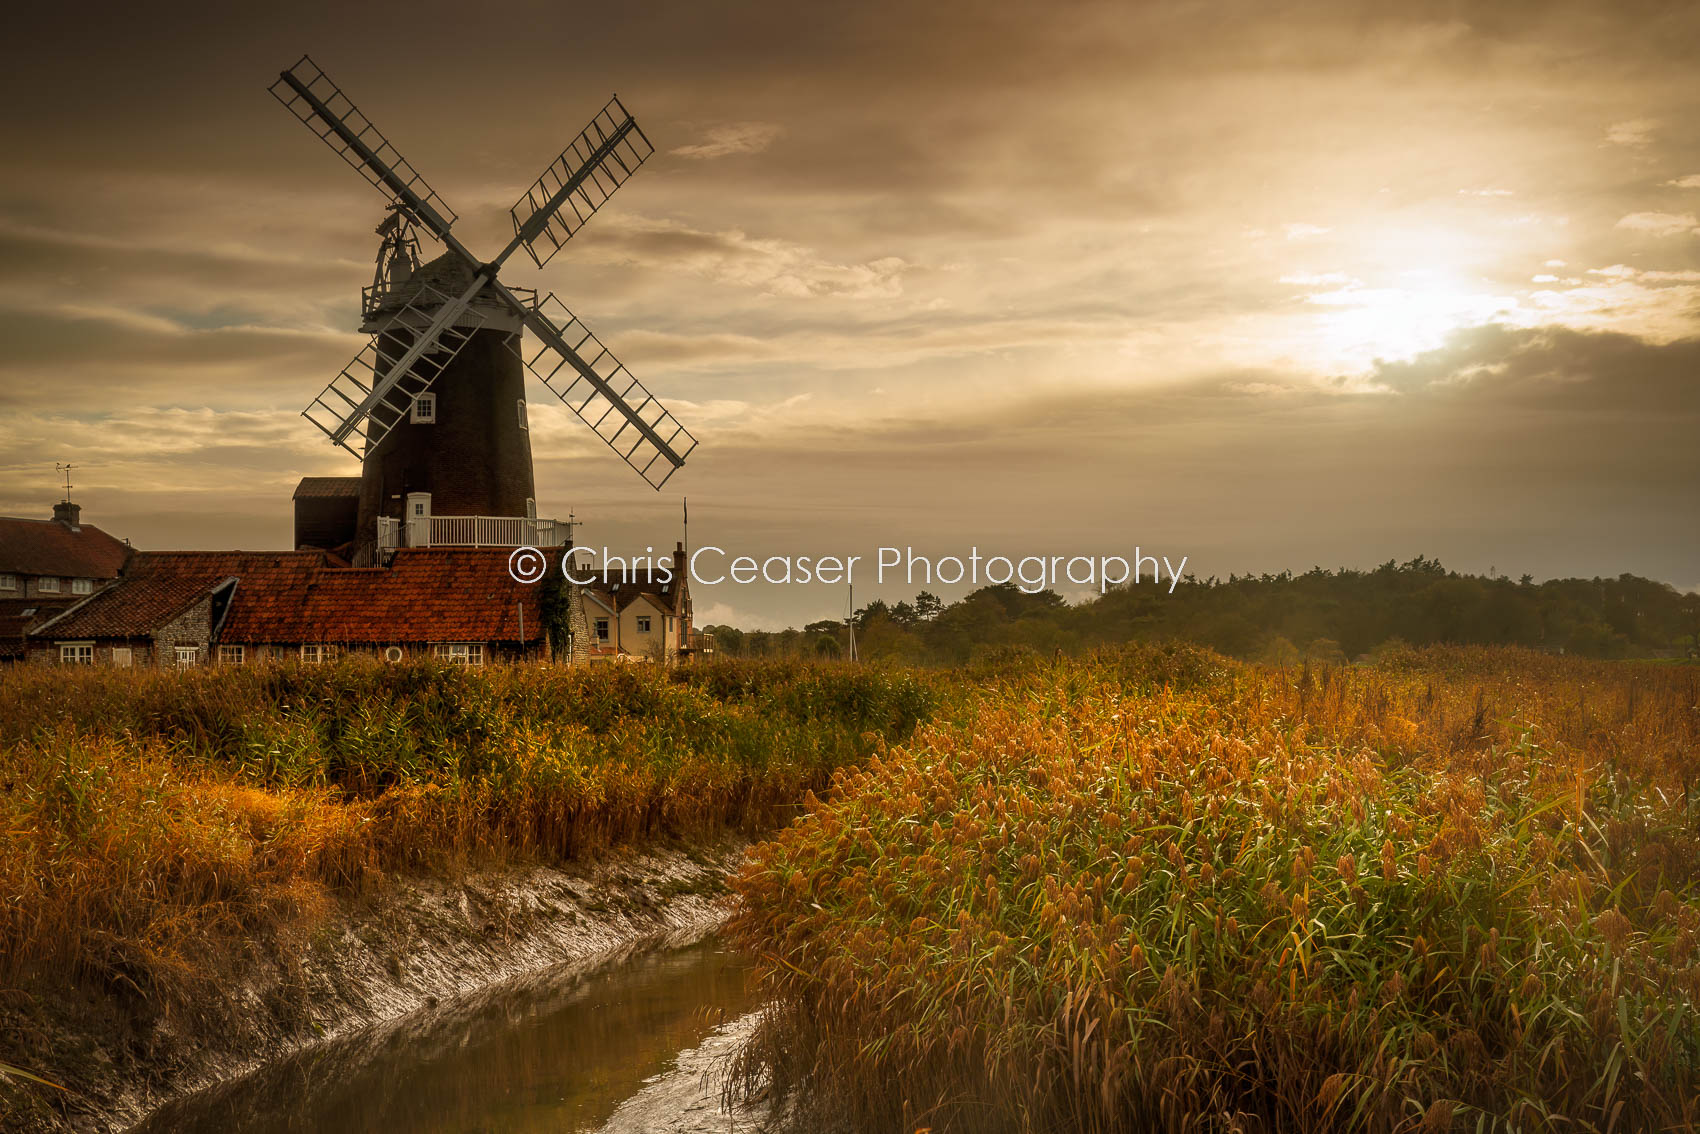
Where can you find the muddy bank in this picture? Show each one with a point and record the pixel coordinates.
(412, 944)
(558, 1052)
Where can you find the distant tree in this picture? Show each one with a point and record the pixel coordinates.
(1341, 614)
(875, 609)
(1325, 651)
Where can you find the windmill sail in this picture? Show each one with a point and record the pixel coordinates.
(311, 96)
(378, 388)
(579, 370)
(600, 159)
(374, 392)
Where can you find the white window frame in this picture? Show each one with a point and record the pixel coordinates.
(461, 653)
(48, 584)
(312, 653)
(76, 653)
(424, 409)
(8, 582)
(82, 586)
(186, 657)
(602, 629)
(232, 655)
(121, 657)
(643, 623)
(524, 423)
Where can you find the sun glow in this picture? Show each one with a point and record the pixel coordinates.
(1359, 324)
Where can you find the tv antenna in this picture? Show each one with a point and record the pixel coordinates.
(376, 391)
(66, 469)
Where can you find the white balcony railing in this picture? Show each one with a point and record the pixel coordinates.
(471, 531)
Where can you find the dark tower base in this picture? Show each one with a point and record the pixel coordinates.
(472, 451)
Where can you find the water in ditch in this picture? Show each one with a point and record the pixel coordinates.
(635, 1045)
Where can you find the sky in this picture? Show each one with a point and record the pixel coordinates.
(1264, 285)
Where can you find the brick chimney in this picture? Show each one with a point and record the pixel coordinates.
(69, 514)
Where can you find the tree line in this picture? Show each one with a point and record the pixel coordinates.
(1330, 616)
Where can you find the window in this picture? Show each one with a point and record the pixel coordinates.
(462, 653)
(82, 586)
(231, 655)
(424, 410)
(8, 582)
(188, 656)
(643, 623)
(47, 586)
(601, 629)
(314, 652)
(421, 508)
(522, 422)
(121, 656)
(76, 653)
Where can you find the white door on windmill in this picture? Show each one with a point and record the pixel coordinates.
(419, 519)
(374, 392)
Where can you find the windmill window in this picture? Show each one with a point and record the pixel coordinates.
(424, 409)
(522, 421)
(48, 586)
(82, 586)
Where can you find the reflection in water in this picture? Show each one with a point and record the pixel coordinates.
(555, 1054)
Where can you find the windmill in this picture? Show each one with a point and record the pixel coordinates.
(436, 328)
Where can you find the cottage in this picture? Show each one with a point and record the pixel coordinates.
(166, 609)
(189, 608)
(639, 614)
(47, 566)
(458, 603)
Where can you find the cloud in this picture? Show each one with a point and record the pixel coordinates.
(732, 138)
(1559, 370)
(1692, 181)
(1661, 224)
(769, 265)
(1298, 230)
(1634, 132)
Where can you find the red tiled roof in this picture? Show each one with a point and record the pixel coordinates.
(48, 547)
(436, 594)
(157, 586)
(14, 623)
(426, 595)
(327, 487)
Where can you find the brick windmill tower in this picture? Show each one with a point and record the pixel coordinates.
(434, 406)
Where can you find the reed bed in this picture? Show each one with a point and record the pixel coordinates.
(1157, 890)
(157, 824)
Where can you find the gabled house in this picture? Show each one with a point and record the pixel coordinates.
(167, 608)
(640, 614)
(47, 566)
